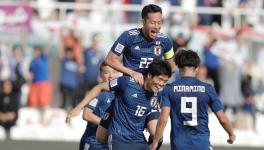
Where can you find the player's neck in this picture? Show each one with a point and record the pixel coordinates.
(188, 72)
(144, 34)
(146, 86)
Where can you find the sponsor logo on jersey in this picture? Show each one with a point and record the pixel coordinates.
(137, 48)
(135, 95)
(108, 100)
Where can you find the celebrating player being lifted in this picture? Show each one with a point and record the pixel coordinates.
(139, 47)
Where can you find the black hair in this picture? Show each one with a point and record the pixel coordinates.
(15, 47)
(103, 64)
(38, 48)
(187, 58)
(159, 67)
(151, 8)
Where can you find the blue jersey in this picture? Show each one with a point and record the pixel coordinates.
(188, 99)
(92, 61)
(39, 68)
(132, 106)
(98, 105)
(138, 52)
(69, 73)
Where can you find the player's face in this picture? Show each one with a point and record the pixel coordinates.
(152, 25)
(37, 52)
(156, 83)
(108, 73)
(16, 53)
(7, 87)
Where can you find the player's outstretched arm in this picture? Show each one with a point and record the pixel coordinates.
(222, 118)
(114, 61)
(164, 115)
(88, 98)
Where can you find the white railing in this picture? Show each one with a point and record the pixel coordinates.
(224, 12)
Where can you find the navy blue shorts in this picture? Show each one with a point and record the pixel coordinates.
(116, 143)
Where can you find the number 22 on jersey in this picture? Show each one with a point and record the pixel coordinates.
(144, 62)
(192, 110)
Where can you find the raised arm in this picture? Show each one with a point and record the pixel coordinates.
(114, 61)
(88, 98)
(172, 64)
(223, 120)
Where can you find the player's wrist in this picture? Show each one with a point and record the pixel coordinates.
(78, 107)
(131, 73)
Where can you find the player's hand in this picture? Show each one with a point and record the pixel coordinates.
(73, 113)
(138, 77)
(153, 146)
(231, 139)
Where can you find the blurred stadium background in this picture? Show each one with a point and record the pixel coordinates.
(233, 30)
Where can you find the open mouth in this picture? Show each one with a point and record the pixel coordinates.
(153, 33)
(156, 88)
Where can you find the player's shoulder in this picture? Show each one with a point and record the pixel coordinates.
(104, 94)
(133, 32)
(129, 81)
(125, 79)
(204, 83)
(162, 36)
(168, 87)
(207, 86)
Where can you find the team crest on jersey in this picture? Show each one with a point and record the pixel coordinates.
(157, 48)
(153, 101)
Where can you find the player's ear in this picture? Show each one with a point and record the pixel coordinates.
(143, 22)
(149, 76)
(197, 68)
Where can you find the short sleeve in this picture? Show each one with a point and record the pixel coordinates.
(121, 43)
(215, 104)
(118, 84)
(92, 105)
